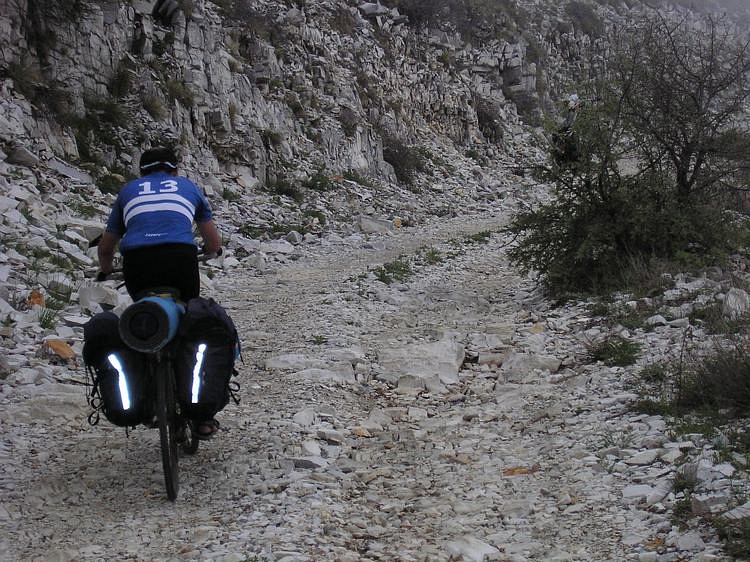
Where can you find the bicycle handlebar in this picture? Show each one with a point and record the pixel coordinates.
(203, 257)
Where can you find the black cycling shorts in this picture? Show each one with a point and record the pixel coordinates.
(164, 265)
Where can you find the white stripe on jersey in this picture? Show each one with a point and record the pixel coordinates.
(153, 207)
(159, 198)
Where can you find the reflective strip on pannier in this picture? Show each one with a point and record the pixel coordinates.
(205, 361)
(118, 374)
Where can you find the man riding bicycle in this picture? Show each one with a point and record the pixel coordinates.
(152, 219)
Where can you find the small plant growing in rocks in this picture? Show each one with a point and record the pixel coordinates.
(433, 257)
(654, 373)
(320, 181)
(623, 315)
(720, 380)
(652, 407)
(287, 189)
(353, 175)
(406, 160)
(47, 318)
(270, 137)
(712, 318)
(615, 351)
(229, 195)
(154, 106)
(179, 91)
(736, 537)
(82, 209)
(398, 270)
(109, 183)
(315, 214)
(481, 237)
(349, 121)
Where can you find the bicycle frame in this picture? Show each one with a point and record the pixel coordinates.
(150, 325)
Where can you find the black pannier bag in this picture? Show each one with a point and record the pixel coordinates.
(118, 374)
(208, 348)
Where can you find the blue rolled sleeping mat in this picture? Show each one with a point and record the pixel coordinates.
(150, 324)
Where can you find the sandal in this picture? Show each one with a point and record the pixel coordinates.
(205, 430)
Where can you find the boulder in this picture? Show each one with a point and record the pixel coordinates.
(423, 360)
(518, 365)
(736, 304)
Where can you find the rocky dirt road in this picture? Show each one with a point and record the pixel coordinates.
(362, 433)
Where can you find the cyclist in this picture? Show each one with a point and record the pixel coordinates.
(152, 220)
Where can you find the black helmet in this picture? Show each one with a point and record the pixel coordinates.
(156, 159)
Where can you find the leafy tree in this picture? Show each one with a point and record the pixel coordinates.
(684, 93)
(654, 158)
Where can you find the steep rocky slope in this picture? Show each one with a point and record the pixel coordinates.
(455, 415)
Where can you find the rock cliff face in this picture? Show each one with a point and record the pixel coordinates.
(269, 90)
(263, 91)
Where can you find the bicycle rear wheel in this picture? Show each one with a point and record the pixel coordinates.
(168, 425)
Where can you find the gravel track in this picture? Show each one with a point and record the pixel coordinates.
(491, 468)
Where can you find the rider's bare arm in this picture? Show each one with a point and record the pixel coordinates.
(211, 236)
(106, 251)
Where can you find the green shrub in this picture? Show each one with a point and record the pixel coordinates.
(398, 270)
(433, 257)
(615, 351)
(81, 209)
(406, 160)
(654, 373)
(315, 214)
(270, 137)
(718, 381)
(475, 155)
(153, 104)
(320, 181)
(652, 407)
(736, 537)
(48, 318)
(343, 21)
(585, 18)
(349, 120)
(109, 183)
(631, 167)
(161, 45)
(229, 195)
(273, 230)
(106, 111)
(489, 119)
(287, 189)
(711, 317)
(122, 79)
(177, 90)
(292, 101)
(527, 106)
(481, 237)
(353, 175)
(600, 223)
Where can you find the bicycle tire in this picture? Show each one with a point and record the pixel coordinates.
(168, 425)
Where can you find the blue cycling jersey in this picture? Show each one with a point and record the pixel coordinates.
(157, 209)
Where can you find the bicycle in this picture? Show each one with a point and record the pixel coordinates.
(149, 326)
